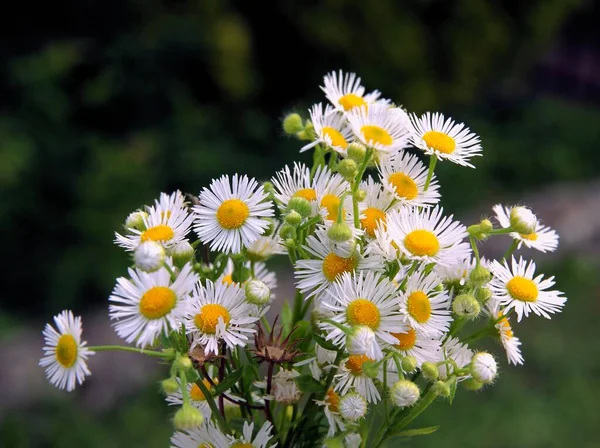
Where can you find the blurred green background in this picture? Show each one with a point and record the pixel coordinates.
(105, 104)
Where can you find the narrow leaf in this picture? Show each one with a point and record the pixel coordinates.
(328, 345)
(416, 432)
(307, 384)
(229, 381)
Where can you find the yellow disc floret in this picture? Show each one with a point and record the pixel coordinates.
(306, 193)
(372, 218)
(332, 205)
(232, 214)
(196, 393)
(422, 243)
(376, 135)
(334, 266)
(335, 136)
(157, 302)
(158, 233)
(363, 312)
(503, 325)
(529, 236)
(438, 141)
(406, 341)
(419, 306)
(522, 289)
(66, 351)
(355, 363)
(351, 100)
(404, 186)
(208, 317)
(333, 400)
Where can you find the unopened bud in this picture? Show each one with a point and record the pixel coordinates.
(292, 124)
(182, 253)
(441, 388)
(480, 276)
(347, 168)
(360, 195)
(483, 295)
(257, 292)
(293, 218)
(300, 205)
(187, 417)
(361, 340)
(472, 384)
(271, 228)
(409, 363)
(486, 225)
(289, 243)
(352, 407)
(135, 220)
(170, 385)
(484, 367)
(466, 306)
(430, 370)
(149, 256)
(286, 231)
(183, 362)
(344, 249)
(356, 151)
(404, 393)
(522, 220)
(269, 188)
(340, 232)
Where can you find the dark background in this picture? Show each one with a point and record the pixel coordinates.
(105, 104)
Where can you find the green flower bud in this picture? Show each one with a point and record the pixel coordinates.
(441, 388)
(170, 385)
(486, 226)
(135, 220)
(182, 253)
(292, 124)
(340, 232)
(476, 232)
(348, 169)
(483, 295)
(187, 417)
(293, 218)
(300, 205)
(522, 220)
(480, 276)
(466, 306)
(409, 363)
(290, 242)
(269, 230)
(257, 292)
(430, 371)
(183, 362)
(286, 231)
(472, 384)
(360, 195)
(370, 369)
(356, 151)
(269, 188)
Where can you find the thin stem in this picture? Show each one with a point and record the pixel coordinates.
(222, 376)
(356, 184)
(141, 351)
(332, 159)
(268, 392)
(511, 249)
(432, 163)
(297, 315)
(475, 250)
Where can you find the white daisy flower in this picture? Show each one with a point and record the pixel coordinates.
(516, 287)
(331, 409)
(247, 441)
(405, 176)
(265, 247)
(323, 363)
(166, 226)
(380, 127)
(425, 308)
(197, 398)
(458, 352)
(509, 341)
(415, 343)
(65, 354)
(207, 435)
(175, 200)
(346, 93)
(428, 236)
(331, 129)
(352, 376)
(229, 214)
(383, 245)
(315, 276)
(150, 304)
(363, 299)
(444, 138)
(219, 313)
(543, 238)
(456, 274)
(374, 208)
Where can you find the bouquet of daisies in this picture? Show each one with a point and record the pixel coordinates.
(391, 296)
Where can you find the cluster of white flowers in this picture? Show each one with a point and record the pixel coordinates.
(396, 290)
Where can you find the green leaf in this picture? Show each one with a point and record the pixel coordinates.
(416, 432)
(328, 345)
(307, 384)
(286, 315)
(229, 381)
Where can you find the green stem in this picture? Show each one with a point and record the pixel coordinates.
(432, 163)
(213, 406)
(487, 331)
(332, 159)
(511, 249)
(318, 159)
(297, 314)
(475, 250)
(502, 231)
(356, 185)
(105, 348)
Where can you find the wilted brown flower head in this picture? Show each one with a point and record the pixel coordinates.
(274, 349)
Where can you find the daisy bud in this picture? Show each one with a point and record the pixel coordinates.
(356, 151)
(340, 232)
(430, 370)
(257, 292)
(466, 306)
(292, 124)
(361, 340)
(308, 133)
(441, 388)
(522, 220)
(348, 169)
(483, 295)
(188, 417)
(360, 195)
(484, 367)
(486, 225)
(409, 363)
(371, 369)
(300, 205)
(344, 249)
(286, 231)
(404, 393)
(269, 230)
(352, 407)
(290, 242)
(480, 276)
(269, 188)
(169, 385)
(475, 232)
(135, 220)
(183, 362)
(149, 256)
(472, 384)
(182, 253)
(293, 218)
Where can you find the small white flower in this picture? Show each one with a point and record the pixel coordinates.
(265, 247)
(331, 128)
(208, 435)
(260, 441)
(331, 408)
(346, 93)
(65, 354)
(484, 367)
(351, 376)
(362, 339)
(404, 393)
(197, 398)
(352, 441)
(509, 341)
(377, 203)
(380, 127)
(415, 343)
(149, 256)
(352, 407)
(543, 238)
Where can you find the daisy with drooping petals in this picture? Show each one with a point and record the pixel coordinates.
(65, 354)
(317, 275)
(346, 93)
(543, 238)
(380, 127)
(331, 409)
(415, 343)
(455, 350)
(352, 376)
(150, 304)
(509, 341)
(229, 216)
(516, 287)
(363, 299)
(247, 441)
(206, 436)
(428, 236)
(456, 274)
(219, 313)
(383, 245)
(444, 138)
(331, 129)
(405, 176)
(265, 247)
(197, 398)
(425, 308)
(375, 206)
(166, 224)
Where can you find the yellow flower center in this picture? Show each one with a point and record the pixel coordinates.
(522, 289)
(335, 136)
(232, 214)
(157, 302)
(405, 187)
(332, 204)
(351, 100)
(419, 306)
(376, 134)
(333, 400)
(334, 266)
(421, 243)
(406, 341)
(208, 318)
(363, 312)
(227, 280)
(160, 232)
(242, 445)
(504, 325)
(355, 363)
(440, 142)
(372, 217)
(529, 236)
(66, 351)
(196, 393)
(306, 193)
